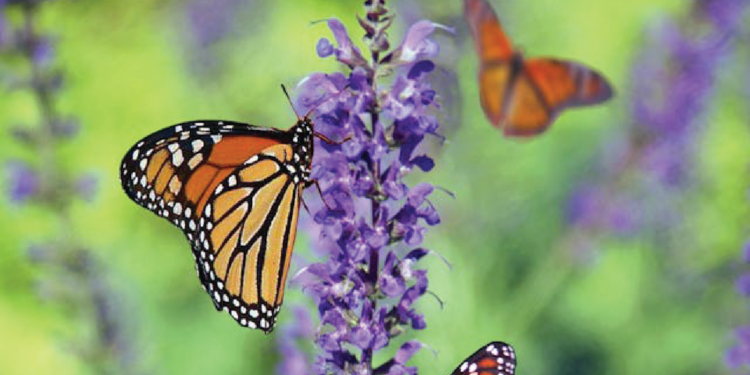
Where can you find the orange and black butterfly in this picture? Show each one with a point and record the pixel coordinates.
(234, 189)
(523, 97)
(495, 358)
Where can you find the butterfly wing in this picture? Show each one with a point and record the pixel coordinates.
(222, 181)
(495, 56)
(544, 87)
(246, 236)
(495, 358)
(489, 38)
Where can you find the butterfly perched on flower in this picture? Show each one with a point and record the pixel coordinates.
(235, 190)
(523, 97)
(495, 358)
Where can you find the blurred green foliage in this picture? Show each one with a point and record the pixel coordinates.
(635, 305)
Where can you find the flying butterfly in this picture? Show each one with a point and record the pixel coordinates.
(523, 97)
(495, 358)
(235, 190)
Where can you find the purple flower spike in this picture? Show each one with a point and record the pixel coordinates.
(366, 287)
(67, 272)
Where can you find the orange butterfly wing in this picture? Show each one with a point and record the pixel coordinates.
(489, 38)
(546, 86)
(234, 190)
(495, 53)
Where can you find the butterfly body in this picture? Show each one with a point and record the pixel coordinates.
(234, 190)
(524, 96)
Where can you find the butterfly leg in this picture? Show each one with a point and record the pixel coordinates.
(305, 206)
(320, 191)
(331, 141)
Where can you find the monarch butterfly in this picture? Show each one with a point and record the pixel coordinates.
(234, 189)
(523, 97)
(495, 358)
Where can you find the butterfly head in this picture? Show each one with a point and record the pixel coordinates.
(302, 145)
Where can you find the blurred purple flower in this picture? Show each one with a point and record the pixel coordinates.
(4, 30)
(23, 181)
(208, 22)
(71, 275)
(86, 186)
(739, 355)
(366, 288)
(673, 78)
(294, 360)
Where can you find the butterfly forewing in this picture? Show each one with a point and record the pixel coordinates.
(495, 358)
(489, 39)
(234, 189)
(170, 171)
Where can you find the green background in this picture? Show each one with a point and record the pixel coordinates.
(659, 303)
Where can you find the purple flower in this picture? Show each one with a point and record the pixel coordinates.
(416, 45)
(673, 78)
(208, 23)
(366, 286)
(23, 181)
(4, 32)
(346, 52)
(70, 275)
(324, 48)
(86, 186)
(294, 360)
(739, 355)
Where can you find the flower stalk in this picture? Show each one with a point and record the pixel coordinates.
(372, 223)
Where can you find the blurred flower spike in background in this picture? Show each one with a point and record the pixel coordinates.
(373, 223)
(70, 276)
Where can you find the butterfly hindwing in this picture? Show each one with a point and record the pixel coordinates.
(247, 231)
(495, 358)
(492, 99)
(567, 83)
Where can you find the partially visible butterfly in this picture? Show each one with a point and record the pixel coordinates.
(495, 358)
(523, 97)
(234, 189)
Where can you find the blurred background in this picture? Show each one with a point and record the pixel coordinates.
(609, 245)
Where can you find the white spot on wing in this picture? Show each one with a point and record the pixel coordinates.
(177, 158)
(197, 145)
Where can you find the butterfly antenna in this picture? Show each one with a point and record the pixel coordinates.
(334, 96)
(290, 100)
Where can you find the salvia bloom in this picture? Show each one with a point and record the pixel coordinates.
(73, 275)
(672, 81)
(372, 222)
